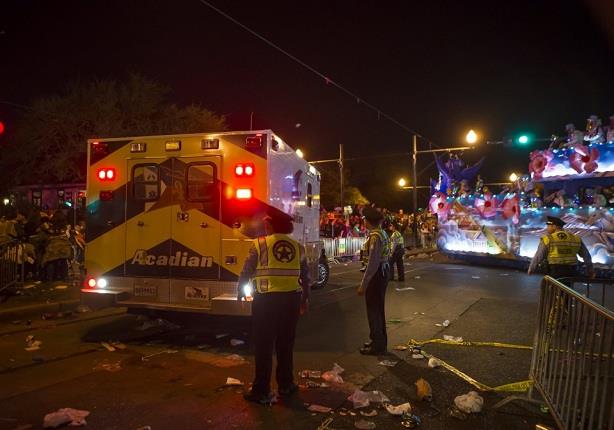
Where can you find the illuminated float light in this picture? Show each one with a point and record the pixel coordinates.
(243, 193)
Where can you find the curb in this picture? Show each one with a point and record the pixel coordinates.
(38, 308)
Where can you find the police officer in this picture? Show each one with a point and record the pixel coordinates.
(374, 282)
(559, 248)
(278, 267)
(397, 250)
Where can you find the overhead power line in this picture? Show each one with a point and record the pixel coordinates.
(326, 79)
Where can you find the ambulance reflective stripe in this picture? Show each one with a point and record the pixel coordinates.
(282, 255)
(562, 247)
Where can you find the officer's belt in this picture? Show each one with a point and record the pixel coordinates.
(278, 272)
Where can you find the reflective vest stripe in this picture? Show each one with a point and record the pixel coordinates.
(264, 253)
(278, 272)
(562, 248)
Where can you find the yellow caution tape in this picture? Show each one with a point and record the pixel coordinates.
(518, 387)
(413, 342)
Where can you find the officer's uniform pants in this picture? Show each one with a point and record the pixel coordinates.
(274, 318)
(397, 259)
(375, 297)
(563, 271)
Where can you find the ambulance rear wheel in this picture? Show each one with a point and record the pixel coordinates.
(323, 275)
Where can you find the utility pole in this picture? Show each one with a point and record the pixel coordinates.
(341, 175)
(414, 154)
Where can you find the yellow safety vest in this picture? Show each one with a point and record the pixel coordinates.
(396, 240)
(562, 247)
(378, 232)
(279, 264)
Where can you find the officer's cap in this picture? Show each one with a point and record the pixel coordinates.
(552, 220)
(372, 215)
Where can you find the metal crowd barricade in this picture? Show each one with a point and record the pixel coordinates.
(342, 247)
(572, 354)
(10, 264)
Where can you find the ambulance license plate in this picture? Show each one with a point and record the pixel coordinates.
(145, 291)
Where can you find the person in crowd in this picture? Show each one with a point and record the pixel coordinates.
(374, 283)
(397, 251)
(277, 264)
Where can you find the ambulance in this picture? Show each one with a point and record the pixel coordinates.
(170, 219)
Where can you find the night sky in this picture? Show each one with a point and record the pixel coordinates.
(439, 67)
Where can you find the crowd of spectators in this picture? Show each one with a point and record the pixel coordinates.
(47, 243)
(337, 223)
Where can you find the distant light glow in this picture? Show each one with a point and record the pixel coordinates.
(523, 139)
(471, 137)
(402, 182)
(299, 153)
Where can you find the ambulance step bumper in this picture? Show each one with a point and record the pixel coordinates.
(98, 299)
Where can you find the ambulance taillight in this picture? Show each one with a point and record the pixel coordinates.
(242, 170)
(243, 193)
(106, 174)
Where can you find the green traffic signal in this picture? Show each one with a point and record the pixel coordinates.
(523, 139)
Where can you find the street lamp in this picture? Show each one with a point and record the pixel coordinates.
(471, 137)
(513, 177)
(402, 182)
(299, 153)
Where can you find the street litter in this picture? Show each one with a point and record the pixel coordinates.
(166, 351)
(109, 367)
(405, 289)
(475, 277)
(319, 408)
(219, 336)
(325, 424)
(236, 342)
(411, 422)
(417, 356)
(395, 321)
(232, 382)
(108, 346)
(312, 374)
(56, 315)
(399, 409)
(16, 322)
(32, 344)
(455, 413)
(543, 427)
(28, 286)
(364, 425)
(417, 277)
(60, 287)
(471, 402)
(235, 357)
(334, 375)
(313, 384)
(434, 362)
(388, 363)
(446, 323)
(400, 347)
(453, 338)
(424, 390)
(368, 414)
(362, 399)
(72, 417)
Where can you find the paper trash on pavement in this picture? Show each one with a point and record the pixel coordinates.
(424, 390)
(401, 409)
(311, 374)
(405, 289)
(362, 399)
(417, 356)
(72, 417)
(446, 323)
(434, 362)
(400, 347)
(334, 375)
(471, 402)
(233, 382)
(453, 338)
(388, 363)
(319, 408)
(32, 344)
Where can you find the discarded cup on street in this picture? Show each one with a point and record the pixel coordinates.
(424, 390)
(471, 402)
(364, 425)
(334, 375)
(446, 323)
(434, 362)
(399, 409)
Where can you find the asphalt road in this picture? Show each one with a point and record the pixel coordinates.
(172, 375)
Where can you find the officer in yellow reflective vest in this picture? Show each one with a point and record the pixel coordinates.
(277, 265)
(375, 281)
(559, 248)
(397, 250)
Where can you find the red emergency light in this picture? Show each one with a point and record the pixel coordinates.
(106, 174)
(244, 169)
(243, 193)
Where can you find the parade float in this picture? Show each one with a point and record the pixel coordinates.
(572, 179)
